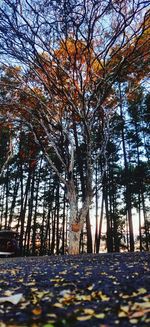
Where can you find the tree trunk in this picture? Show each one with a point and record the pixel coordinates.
(76, 219)
(89, 234)
(82, 180)
(100, 226)
(6, 198)
(14, 199)
(128, 191)
(74, 228)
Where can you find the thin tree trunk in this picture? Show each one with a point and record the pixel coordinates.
(89, 233)
(6, 198)
(96, 215)
(23, 212)
(100, 226)
(30, 211)
(36, 208)
(140, 234)
(57, 217)
(15, 193)
(128, 193)
(53, 233)
(63, 224)
(145, 223)
(82, 180)
(108, 221)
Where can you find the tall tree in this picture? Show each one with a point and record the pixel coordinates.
(72, 54)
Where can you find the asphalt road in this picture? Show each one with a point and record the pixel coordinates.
(87, 290)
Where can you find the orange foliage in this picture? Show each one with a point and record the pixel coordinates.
(72, 68)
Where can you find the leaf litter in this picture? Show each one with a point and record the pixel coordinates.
(86, 290)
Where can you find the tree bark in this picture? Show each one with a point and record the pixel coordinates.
(76, 219)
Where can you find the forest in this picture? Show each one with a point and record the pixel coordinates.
(74, 125)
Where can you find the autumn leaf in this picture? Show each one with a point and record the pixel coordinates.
(14, 299)
(84, 318)
(83, 297)
(37, 311)
(99, 315)
(58, 305)
(89, 311)
(122, 314)
(90, 288)
(52, 315)
(133, 321)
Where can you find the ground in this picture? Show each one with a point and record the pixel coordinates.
(88, 290)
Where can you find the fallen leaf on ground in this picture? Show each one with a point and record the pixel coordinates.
(37, 311)
(100, 315)
(83, 318)
(14, 299)
(89, 311)
(58, 305)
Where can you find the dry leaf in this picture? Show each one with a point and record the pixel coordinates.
(83, 297)
(133, 321)
(83, 318)
(58, 305)
(37, 311)
(89, 311)
(122, 314)
(103, 297)
(90, 288)
(124, 308)
(100, 315)
(137, 314)
(141, 305)
(64, 292)
(8, 293)
(142, 290)
(14, 299)
(51, 315)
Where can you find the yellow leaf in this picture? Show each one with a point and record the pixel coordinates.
(34, 289)
(90, 288)
(133, 321)
(122, 314)
(124, 308)
(83, 318)
(124, 296)
(58, 305)
(103, 297)
(40, 295)
(89, 311)
(63, 272)
(103, 273)
(142, 290)
(56, 280)
(29, 284)
(100, 315)
(141, 305)
(83, 297)
(7, 293)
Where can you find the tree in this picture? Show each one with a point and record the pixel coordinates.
(72, 53)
